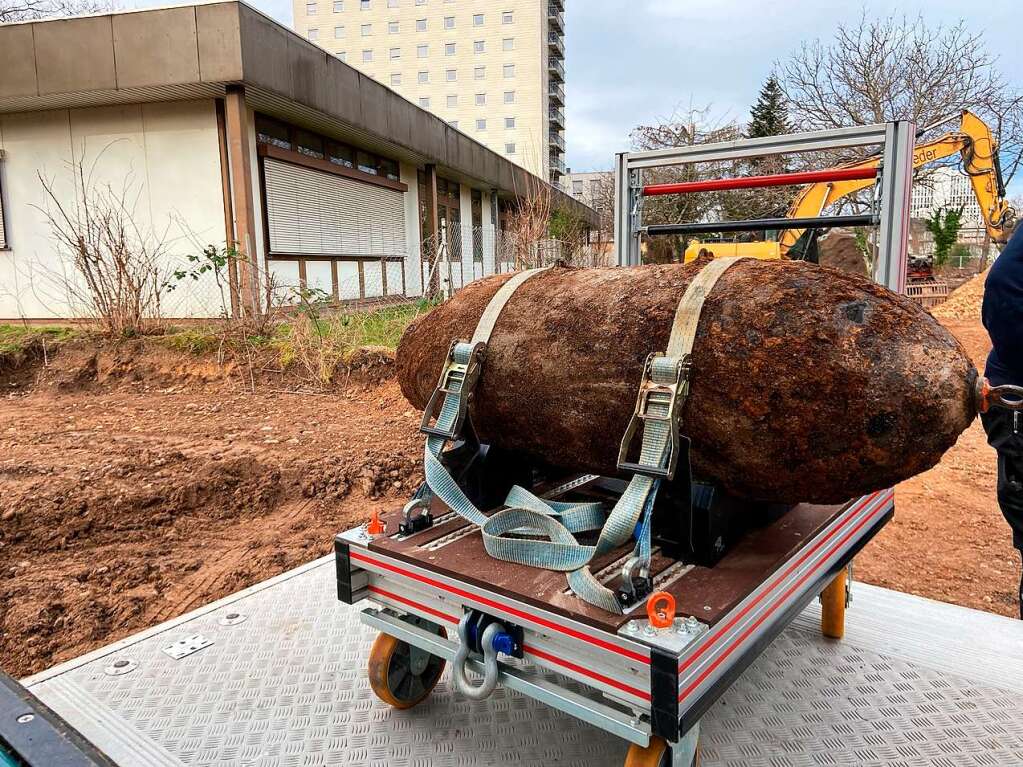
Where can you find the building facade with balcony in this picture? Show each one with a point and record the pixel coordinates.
(494, 71)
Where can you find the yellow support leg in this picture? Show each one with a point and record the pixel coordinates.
(833, 600)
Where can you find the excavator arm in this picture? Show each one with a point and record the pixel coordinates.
(979, 152)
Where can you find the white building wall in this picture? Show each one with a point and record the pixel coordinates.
(413, 259)
(165, 156)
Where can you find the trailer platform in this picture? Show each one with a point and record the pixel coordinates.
(276, 675)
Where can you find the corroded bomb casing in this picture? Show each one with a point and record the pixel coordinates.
(808, 384)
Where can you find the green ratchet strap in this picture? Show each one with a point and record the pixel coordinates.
(551, 525)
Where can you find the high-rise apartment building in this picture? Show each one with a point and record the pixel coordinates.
(494, 69)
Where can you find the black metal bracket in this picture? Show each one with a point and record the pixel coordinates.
(754, 225)
(33, 735)
(478, 622)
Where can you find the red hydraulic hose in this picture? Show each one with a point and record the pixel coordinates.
(754, 182)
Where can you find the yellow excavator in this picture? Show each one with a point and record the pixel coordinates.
(973, 141)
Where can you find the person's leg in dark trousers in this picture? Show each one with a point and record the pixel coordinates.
(1005, 434)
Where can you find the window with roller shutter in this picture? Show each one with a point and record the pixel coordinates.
(310, 212)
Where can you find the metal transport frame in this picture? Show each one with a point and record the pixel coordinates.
(895, 176)
(642, 681)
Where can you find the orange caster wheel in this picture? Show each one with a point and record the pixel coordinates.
(657, 754)
(402, 675)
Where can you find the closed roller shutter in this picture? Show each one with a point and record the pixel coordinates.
(310, 212)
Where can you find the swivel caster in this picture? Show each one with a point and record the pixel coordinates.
(402, 675)
(657, 754)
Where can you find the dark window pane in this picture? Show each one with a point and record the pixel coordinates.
(367, 162)
(270, 131)
(309, 144)
(339, 154)
(389, 168)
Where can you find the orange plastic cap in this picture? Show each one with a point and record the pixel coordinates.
(660, 609)
(375, 526)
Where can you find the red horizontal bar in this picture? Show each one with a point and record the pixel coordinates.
(754, 182)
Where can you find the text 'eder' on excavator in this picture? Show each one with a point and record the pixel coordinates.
(973, 141)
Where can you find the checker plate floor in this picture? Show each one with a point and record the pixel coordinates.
(915, 682)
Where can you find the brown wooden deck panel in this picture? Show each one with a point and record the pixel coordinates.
(707, 593)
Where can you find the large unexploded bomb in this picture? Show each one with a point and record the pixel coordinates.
(808, 384)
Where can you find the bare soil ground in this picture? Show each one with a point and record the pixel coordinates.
(137, 484)
(126, 502)
(948, 540)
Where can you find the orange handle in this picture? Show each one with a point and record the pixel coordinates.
(660, 609)
(376, 525)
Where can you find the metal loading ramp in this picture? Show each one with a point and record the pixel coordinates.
(283, 682)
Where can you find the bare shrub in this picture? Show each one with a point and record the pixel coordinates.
(116, 261)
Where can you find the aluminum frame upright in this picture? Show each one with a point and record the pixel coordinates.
(895, 179)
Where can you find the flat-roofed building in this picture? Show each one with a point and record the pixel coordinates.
(219, 126)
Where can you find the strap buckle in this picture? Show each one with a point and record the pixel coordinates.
(457, 379)
(671, 393)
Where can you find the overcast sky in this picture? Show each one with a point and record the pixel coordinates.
(629, 62)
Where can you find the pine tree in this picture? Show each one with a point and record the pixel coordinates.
(769, 116)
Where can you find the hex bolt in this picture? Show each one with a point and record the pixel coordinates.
(692, 625)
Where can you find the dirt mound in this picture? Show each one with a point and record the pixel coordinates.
(92, 363)
(964, 302)
(839, 250)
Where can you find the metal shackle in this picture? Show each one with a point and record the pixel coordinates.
(462, 683)
(1006, 396)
